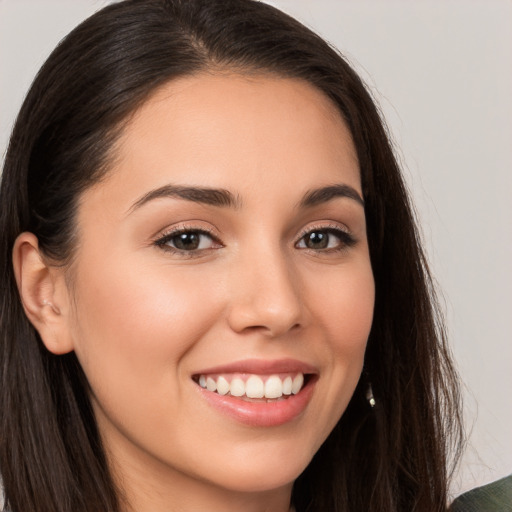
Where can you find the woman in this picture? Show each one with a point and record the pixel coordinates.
(216, 298)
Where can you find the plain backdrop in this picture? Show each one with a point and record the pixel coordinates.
(442, 74)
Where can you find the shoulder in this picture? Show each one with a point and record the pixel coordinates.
(494, 497)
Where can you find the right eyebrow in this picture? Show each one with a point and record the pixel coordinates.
(204, 195)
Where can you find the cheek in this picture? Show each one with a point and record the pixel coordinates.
(142, 299)
(345, 303)
(132, 327)
(344, 311)
(133, 332)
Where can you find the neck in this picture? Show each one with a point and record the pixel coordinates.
(206, 498)
(161, 491)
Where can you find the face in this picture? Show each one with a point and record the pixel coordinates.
(222, 261)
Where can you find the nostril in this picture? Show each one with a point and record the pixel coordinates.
(264, 317)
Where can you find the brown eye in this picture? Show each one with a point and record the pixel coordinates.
(317, 240)
(326, 240)
(187, 241)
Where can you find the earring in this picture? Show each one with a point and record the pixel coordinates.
(369, 396)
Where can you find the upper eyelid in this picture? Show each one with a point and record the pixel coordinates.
(176, 230)
(323, 227)
(346, 237)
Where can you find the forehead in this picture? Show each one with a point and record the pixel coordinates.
(233, 132)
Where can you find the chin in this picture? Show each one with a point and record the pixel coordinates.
(265, 473)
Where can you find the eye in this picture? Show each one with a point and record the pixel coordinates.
(325, 239)
(188, 240)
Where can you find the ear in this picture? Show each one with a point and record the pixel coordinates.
(44, 294)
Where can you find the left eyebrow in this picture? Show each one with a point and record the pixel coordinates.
(323, 195)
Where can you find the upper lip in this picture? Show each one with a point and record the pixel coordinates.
(261, 367)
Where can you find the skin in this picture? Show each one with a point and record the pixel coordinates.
(143, 319)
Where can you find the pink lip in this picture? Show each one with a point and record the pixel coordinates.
(261, 367)
(261, 414)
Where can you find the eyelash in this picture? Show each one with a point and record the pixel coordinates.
(345, 238)
(163, 241)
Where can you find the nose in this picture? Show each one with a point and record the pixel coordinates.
(266, 296)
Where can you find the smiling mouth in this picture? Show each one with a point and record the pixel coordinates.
(252, 387)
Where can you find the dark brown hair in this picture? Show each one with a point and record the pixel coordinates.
(394, 457)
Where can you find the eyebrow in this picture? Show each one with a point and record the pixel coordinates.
(323, 195)
(224, 198)
(209, 196)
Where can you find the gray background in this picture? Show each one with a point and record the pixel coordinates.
(441, 71)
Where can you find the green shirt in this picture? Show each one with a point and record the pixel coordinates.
(495, 497)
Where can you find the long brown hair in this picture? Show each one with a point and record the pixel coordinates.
(394, 457)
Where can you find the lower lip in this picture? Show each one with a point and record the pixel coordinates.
(261, 414)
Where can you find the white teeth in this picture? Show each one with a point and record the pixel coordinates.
(298, 381)
(237, 387)
(222, 386)
(254, 387)
(211, 385)
(273, 387)
(287, 386)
